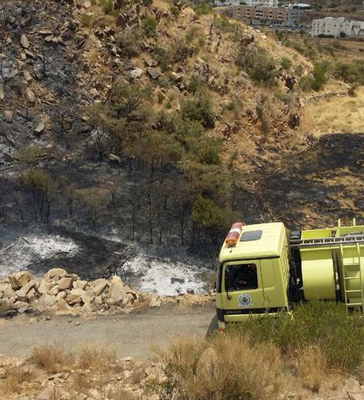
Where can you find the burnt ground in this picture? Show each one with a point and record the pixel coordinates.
(320, 184)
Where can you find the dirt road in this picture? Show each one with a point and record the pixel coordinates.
(130, 335)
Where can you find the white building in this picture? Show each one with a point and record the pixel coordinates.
(260, 3)
(337, 27)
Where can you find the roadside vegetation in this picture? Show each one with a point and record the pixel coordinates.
(314, 350)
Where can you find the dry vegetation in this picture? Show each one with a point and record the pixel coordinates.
(315, 353)
(337, 115)
(90, 371)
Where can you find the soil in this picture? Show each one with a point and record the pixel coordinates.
(130, 335)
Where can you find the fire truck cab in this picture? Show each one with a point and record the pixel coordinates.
(253, 274)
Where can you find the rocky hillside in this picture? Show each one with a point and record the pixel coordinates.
(145, 120)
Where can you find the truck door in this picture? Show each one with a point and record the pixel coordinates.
(242, 286)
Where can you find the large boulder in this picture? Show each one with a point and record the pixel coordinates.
(65, 283)
(99, 286)
(18, 280)
(75, 296)
(55, 274)
(117, 291)
(79, 284)
(47, 300)
(43, 286)
(88, 297)
(22, 293)
(7, 291)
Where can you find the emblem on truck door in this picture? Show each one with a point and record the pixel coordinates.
(244, 300)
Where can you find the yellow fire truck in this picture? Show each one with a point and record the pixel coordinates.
(264, 269)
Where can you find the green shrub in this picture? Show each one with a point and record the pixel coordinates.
(149, 25)
(130, 41)
(194, 85)
(175, 11)
(161, 97)
(319, 76)
(286, 63)
(322, 324)
(202, 8)
(199, 110)
(258, 64)
(86, 19)
(107, 7)
(305, 83)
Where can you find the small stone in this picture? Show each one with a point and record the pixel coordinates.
(87, 4)
(155, 303)
(153, 73)
(30, 95)
(27, 76)
(48, 318)
(40, 127)
(9, 114)
(24, 41)
(2, 96)
(136, 73)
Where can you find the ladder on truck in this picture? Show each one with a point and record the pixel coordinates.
(350, 263)
(328, 241)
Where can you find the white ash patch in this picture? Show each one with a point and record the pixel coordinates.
(25, 250)
(162, 277)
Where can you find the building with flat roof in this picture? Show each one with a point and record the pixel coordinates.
(337, 27)
(250, 3)
(261, 15)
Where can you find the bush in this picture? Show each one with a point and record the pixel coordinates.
(52, 358)
(199, 110)
(323, 324)
(202, 8)
(149, 25)
(194, 85)
(222, 368)
(86, 19)
(286, 63)
(107, 6)
(130, 42)
(319, 76)
(257, 64)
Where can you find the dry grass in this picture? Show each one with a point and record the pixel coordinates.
(52, 358)
(80, 381)
(15, 377)
(98, 358)
(225, 367)
(338, 115)
(122, 394)
(312, 368)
